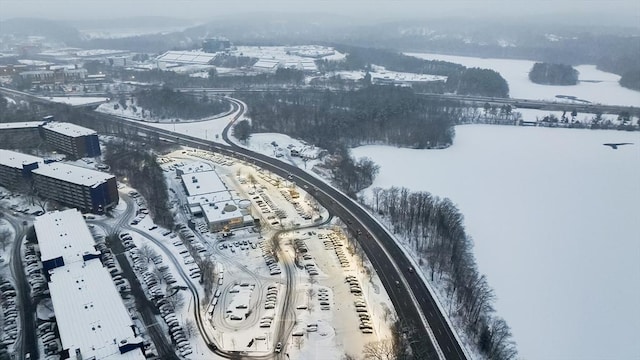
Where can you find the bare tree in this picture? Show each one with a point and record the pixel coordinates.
(189, 328)
(5, 238)
(175, 301)
(146, 252)
(379, 350)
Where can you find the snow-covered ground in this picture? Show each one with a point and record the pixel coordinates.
(553, 215)
(289, 53)
(595, 85)
(381, 73)
(76, 100)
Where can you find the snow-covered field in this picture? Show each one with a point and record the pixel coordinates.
(553, 214)
(381, 73)
(595, 85)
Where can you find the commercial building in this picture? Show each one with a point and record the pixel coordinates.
(85, 189)
(209, 196)
(92, 320)
(72, 139)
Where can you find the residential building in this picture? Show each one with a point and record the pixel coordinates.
(82, 188)
(17, 135)
(72, 139)
(85, 189)
(15, 168)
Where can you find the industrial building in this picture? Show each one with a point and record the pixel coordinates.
(71, 139)
(92, 320)
(57, 76)
(85, 189)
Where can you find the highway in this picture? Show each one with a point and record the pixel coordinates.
(411, 298)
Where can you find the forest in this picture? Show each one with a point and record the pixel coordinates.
(553, 74)
(168, 103)
(434, 228)
(128, 160)
(375, 114)
(461, 80)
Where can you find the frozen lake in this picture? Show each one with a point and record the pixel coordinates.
(595, 86)
(554, 217)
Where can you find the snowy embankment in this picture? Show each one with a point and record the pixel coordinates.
(552, 213)
(76, 100)
(594, 85)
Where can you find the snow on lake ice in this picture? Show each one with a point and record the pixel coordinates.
(553, 214)
(595, 86)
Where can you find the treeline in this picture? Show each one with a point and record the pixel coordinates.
(476, 81)
(371, 115)
(461, 80)
(231, 61)
(361, 58)
(129, 160)
(434, 228)
(351, 175)
(631, 78)
(553, 74)
(168, 103)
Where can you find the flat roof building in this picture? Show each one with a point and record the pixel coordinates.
(15, 168)
(92, 320)
(205, 182)
(82, 188)
(72, 139)
(209, 196)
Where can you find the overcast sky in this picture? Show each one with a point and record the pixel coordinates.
(375, 9)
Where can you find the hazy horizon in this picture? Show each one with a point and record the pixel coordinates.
(616, 12)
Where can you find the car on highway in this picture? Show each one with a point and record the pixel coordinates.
(278, 347)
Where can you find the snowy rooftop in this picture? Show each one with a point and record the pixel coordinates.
(68, 129)
(203, 183)
(63, 234)
(100, 52)
(196, 166)
(186, 57)
(73, 174)
(210, 198)
(266, 64)
(221, 211)
(90, 314)
(17, 160)
(20, 125)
